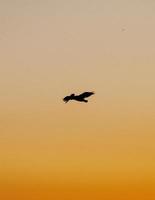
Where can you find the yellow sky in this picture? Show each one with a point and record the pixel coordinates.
(100, 150)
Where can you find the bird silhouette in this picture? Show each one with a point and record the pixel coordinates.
(80, 97)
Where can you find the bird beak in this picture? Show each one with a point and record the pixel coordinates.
(65, 101)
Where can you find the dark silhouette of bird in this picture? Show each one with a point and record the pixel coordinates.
(80, 97)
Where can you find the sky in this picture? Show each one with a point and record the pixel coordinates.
(100, 150)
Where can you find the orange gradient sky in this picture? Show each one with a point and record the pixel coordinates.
(101, 150)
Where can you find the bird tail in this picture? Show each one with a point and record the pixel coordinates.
(85, 100)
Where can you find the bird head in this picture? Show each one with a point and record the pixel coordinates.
(66, 99)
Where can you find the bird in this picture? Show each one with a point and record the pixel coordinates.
(80, 97)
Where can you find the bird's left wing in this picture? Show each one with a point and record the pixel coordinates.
(86, 94)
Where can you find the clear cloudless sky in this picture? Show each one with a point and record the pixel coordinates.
(101, 150)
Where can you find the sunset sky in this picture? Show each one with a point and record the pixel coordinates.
(102, 150)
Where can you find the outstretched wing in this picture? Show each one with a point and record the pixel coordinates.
(86, 94)
(66, 99)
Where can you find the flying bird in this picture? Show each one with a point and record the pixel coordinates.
(80, 97)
